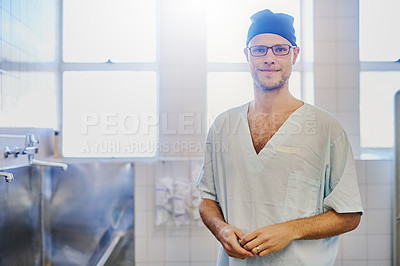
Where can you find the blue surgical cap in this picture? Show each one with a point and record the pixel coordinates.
(266, 21)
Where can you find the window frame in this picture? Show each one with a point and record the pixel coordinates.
(101, 66)
(376, 66)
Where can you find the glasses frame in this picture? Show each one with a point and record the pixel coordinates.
(272, 48)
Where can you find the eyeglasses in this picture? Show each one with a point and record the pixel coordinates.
(277, 49)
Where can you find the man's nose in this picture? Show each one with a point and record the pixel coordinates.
(269, 58)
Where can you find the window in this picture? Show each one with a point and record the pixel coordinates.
(239, 87)
(109, 78)
(377, 99)
(113, 114)
(227, 25)
(377, 41)
(380, 73)
(119, 31)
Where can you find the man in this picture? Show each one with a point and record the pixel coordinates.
(285, 187)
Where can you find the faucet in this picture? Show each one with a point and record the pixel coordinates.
(31, 147)
(46, 163)
(8, 176)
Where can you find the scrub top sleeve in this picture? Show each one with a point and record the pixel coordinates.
(341, 191)
(205, 183)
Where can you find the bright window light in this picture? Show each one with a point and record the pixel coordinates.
(377, 90)
(101, 30)
(379, 30)
(239, 87)
(229, 20)
(295, 84)
(110, 114)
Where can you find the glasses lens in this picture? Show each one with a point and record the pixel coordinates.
(281, 49)
(258, 50)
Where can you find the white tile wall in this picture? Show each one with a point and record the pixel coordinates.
(371, 242)
(350, 121)
(354, 247)
(348, 100)
(326, 52)
(326, 27)
(325, 8)
(379, 247)
(193, 245)
(347, 75)
(355, 263)
(27, 46)
(325, 76)
(346, 28)
(327, 99)
(346, 52)
(182, 69)
(336, 65)
(379, 196)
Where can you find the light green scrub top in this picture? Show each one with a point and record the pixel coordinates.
(305, 169)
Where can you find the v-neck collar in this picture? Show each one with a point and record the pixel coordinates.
(248, 141)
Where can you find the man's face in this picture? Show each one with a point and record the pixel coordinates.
(270, 72)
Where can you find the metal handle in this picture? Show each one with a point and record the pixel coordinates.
(7, 152)
(31, 140)
(9, 177)
(30, 150)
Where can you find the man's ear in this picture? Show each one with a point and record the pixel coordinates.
(246, 53)
(296, 51)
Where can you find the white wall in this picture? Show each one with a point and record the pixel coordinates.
(336, 63)
(370, 243)
(182, 83)
(28, 67)
(169, 246)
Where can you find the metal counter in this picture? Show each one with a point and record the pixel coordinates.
(20, 219)
(82, 216)
(90, 214)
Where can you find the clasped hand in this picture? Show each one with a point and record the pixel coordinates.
(268, 239)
